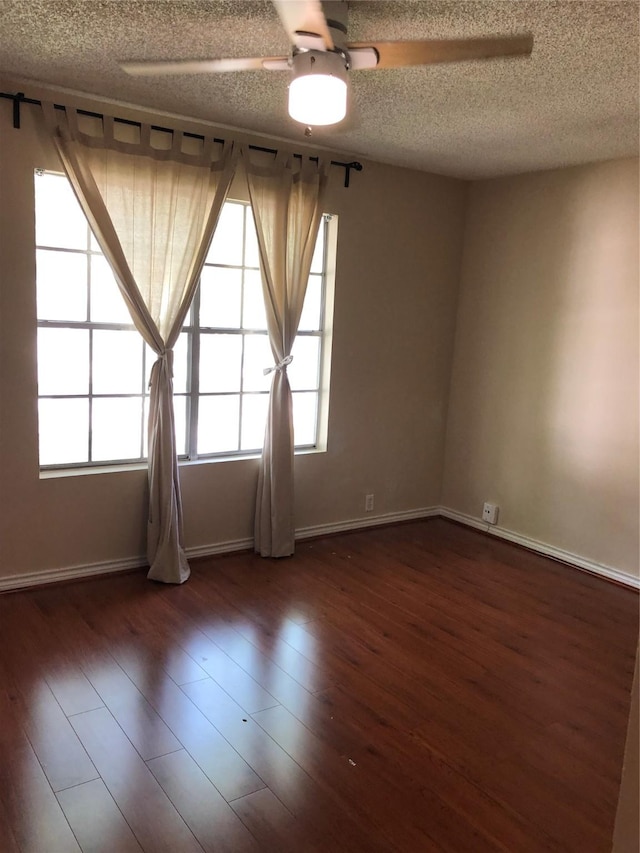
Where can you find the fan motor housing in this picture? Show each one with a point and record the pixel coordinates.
(325, 62)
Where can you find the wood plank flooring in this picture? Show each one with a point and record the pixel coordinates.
(413, 688)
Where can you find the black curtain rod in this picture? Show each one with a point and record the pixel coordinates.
(19, 98)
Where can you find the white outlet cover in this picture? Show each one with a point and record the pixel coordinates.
(490, 513)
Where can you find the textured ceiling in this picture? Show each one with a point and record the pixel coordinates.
(575, 100)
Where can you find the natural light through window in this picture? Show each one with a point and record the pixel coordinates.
(93, 366)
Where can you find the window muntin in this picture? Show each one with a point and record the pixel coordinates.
(93, 366)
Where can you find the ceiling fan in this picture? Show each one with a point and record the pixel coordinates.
(321, 58)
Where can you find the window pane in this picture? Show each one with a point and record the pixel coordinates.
(303, 370)
(317, 263)
(59, 218)
(311, 310)
(117, 362)
(116, 426)
(253, 313)
(181, 364)
(218, 424)
(63, 430)
(220, 297)
(305, 418)
(61, 285)
(107, 303)
(180, 415)
(145, 427)
(226, 246)
(251, 250)
(257, 356)
(254, 419)
(63, 361)
(220, 361)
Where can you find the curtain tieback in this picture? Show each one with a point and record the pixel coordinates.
(280, 366)
(163, 362)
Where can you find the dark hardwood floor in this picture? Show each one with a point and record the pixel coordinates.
(414, 688)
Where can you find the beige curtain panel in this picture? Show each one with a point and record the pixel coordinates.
(286, 199)
(153, 213)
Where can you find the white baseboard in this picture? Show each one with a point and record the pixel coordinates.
(367, 521)
(219, 548)
(69, 573)
(319, 530)
(572, 559)
(110, 567)
(468, 520)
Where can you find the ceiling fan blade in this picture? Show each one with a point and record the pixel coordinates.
(281, 63)
(304, 16)
(309, 41)
(151, 68)
(362, 58)
(398, 54)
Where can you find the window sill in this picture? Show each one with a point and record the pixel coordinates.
(92, 470)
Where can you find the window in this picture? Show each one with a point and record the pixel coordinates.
(94, 367)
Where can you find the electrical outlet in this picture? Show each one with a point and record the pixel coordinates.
(368, 503)
(490, 513)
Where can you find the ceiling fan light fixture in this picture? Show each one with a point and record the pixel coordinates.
(318, 90)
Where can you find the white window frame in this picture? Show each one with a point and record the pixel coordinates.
(195, 333)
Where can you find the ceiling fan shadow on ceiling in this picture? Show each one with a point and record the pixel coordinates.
(321, 59)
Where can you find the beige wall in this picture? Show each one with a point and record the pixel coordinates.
(399, 245)
(543, 416)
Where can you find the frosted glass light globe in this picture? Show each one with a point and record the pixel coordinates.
(318, 91)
